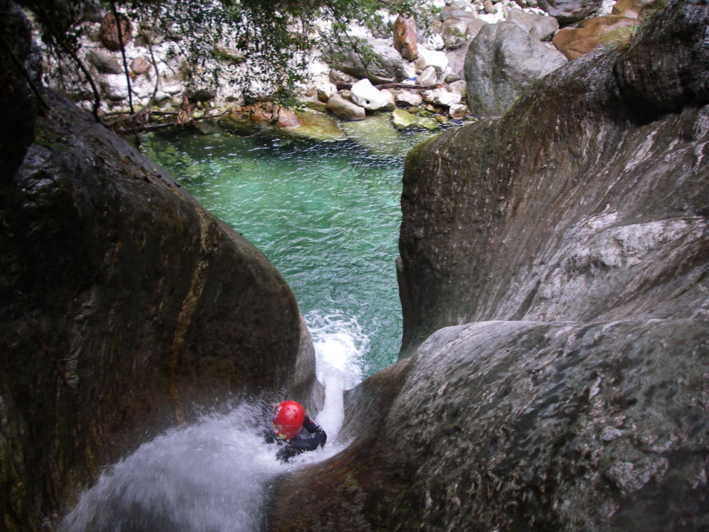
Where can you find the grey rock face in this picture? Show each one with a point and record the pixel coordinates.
(539, 27)
(554, 279)
(125, 306)
(502, 62)
(374, 59)
(570, 11)
(612, 205)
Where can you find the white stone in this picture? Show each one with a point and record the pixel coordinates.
(172, 87)
(325, 90)
(458, 111)
(428, 58)
(442, 97)
(434, 41)
(427, 78)
(407, 97)
(368, 96)
(389, 96)
(409, 70)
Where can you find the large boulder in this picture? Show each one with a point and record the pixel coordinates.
(456, 56)
(374, 59)
(557, 191)
(540, 27)
(126, 308)
(554, 271)
(503, 61)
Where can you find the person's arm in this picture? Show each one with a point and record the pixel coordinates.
(269, 436)
(318, 435)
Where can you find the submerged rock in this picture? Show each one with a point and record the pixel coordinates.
(554, 283)
(316, 126)
(379, 135)
(403, 120)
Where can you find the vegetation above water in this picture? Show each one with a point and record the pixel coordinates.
(275, 36)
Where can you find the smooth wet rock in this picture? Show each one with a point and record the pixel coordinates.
(554, 288)
(677, 48)
(127, 309)
(402, 119)
(502, 62)
(286, 118)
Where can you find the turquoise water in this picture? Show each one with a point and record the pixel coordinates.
(326, 215)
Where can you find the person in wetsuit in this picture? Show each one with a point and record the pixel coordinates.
(294, 431)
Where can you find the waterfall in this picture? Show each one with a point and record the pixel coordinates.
(213, 475)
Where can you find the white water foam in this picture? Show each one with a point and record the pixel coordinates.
(213, 475)
(340, 345)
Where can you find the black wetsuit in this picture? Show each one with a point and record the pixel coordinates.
(310, 437)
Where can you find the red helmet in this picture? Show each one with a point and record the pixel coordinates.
(288, 419)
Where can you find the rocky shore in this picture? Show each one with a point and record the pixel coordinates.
(471, 59)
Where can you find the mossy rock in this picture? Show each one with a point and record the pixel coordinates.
(404, 120)
(378, 135)
(239, 124)
(316, 126)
